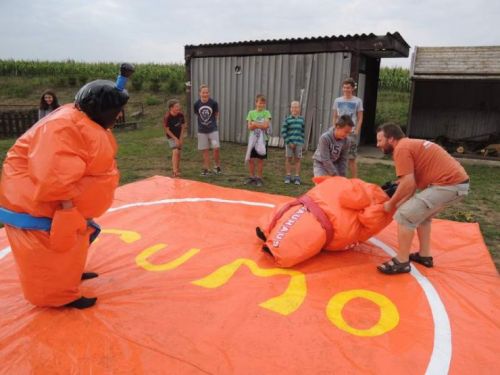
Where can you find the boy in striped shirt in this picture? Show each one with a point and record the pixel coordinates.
(292, 132)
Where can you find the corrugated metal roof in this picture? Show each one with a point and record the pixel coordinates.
(456, 62)
(389, 45)
(347, 37)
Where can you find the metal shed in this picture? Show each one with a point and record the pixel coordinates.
(310, 70)
(455, 93)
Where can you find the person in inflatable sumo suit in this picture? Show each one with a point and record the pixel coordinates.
(336, 214)
(58, 176)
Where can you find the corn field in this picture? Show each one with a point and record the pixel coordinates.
(72, 73)
(394, 79)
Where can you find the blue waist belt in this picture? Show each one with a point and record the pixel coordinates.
(28, 222)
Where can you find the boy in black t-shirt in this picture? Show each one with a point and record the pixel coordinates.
(175, 126)
(207, 111)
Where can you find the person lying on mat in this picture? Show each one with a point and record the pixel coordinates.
(336, 214)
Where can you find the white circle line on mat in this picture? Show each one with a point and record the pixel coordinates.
(441, 352)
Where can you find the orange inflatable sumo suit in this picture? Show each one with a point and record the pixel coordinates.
(65, 156)
(336, 214)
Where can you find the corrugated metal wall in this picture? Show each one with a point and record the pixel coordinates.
(315, 79)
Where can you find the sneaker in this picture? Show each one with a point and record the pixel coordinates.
(296, 180)
(217, 171)
(250, 181)
(288, 179)
(205, 173)
(259, 182)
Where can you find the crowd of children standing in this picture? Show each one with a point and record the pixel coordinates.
(336, 150)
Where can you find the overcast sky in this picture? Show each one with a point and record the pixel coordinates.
(157, 30)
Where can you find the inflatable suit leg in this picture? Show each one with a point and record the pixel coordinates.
(48, 277)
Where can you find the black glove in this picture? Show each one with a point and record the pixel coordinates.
(389, 188)
(126, 69)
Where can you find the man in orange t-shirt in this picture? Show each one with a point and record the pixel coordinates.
(442, 181)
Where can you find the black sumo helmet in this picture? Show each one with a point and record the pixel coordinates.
(101, 101)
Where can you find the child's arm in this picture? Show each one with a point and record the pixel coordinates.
(335, 112)
(262, 125)
(170, 134)
(359, 123)
(252, 125)
(250, 122)
(265, 124)
(183, 131)
(342, 160)
(216, 111)
(284, 130)
(165, 126)
(335, 117)
(325, 157)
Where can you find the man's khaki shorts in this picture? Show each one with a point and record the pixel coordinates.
(424, 205)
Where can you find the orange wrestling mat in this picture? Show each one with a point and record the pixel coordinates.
(184, 289)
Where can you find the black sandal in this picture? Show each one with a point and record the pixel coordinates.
(394, 268)
(425, 261)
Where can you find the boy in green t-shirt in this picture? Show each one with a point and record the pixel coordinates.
(258, 120)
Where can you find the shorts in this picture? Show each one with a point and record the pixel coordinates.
(424, 205)
(208, 140)
(172, 144)
(255, 155)
(353, 149)
(297, 153)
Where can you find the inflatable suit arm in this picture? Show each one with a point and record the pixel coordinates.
(126, 70)
(319, 179)
(374, 218)
(56, 161)
(66, 225)
(355, 197)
